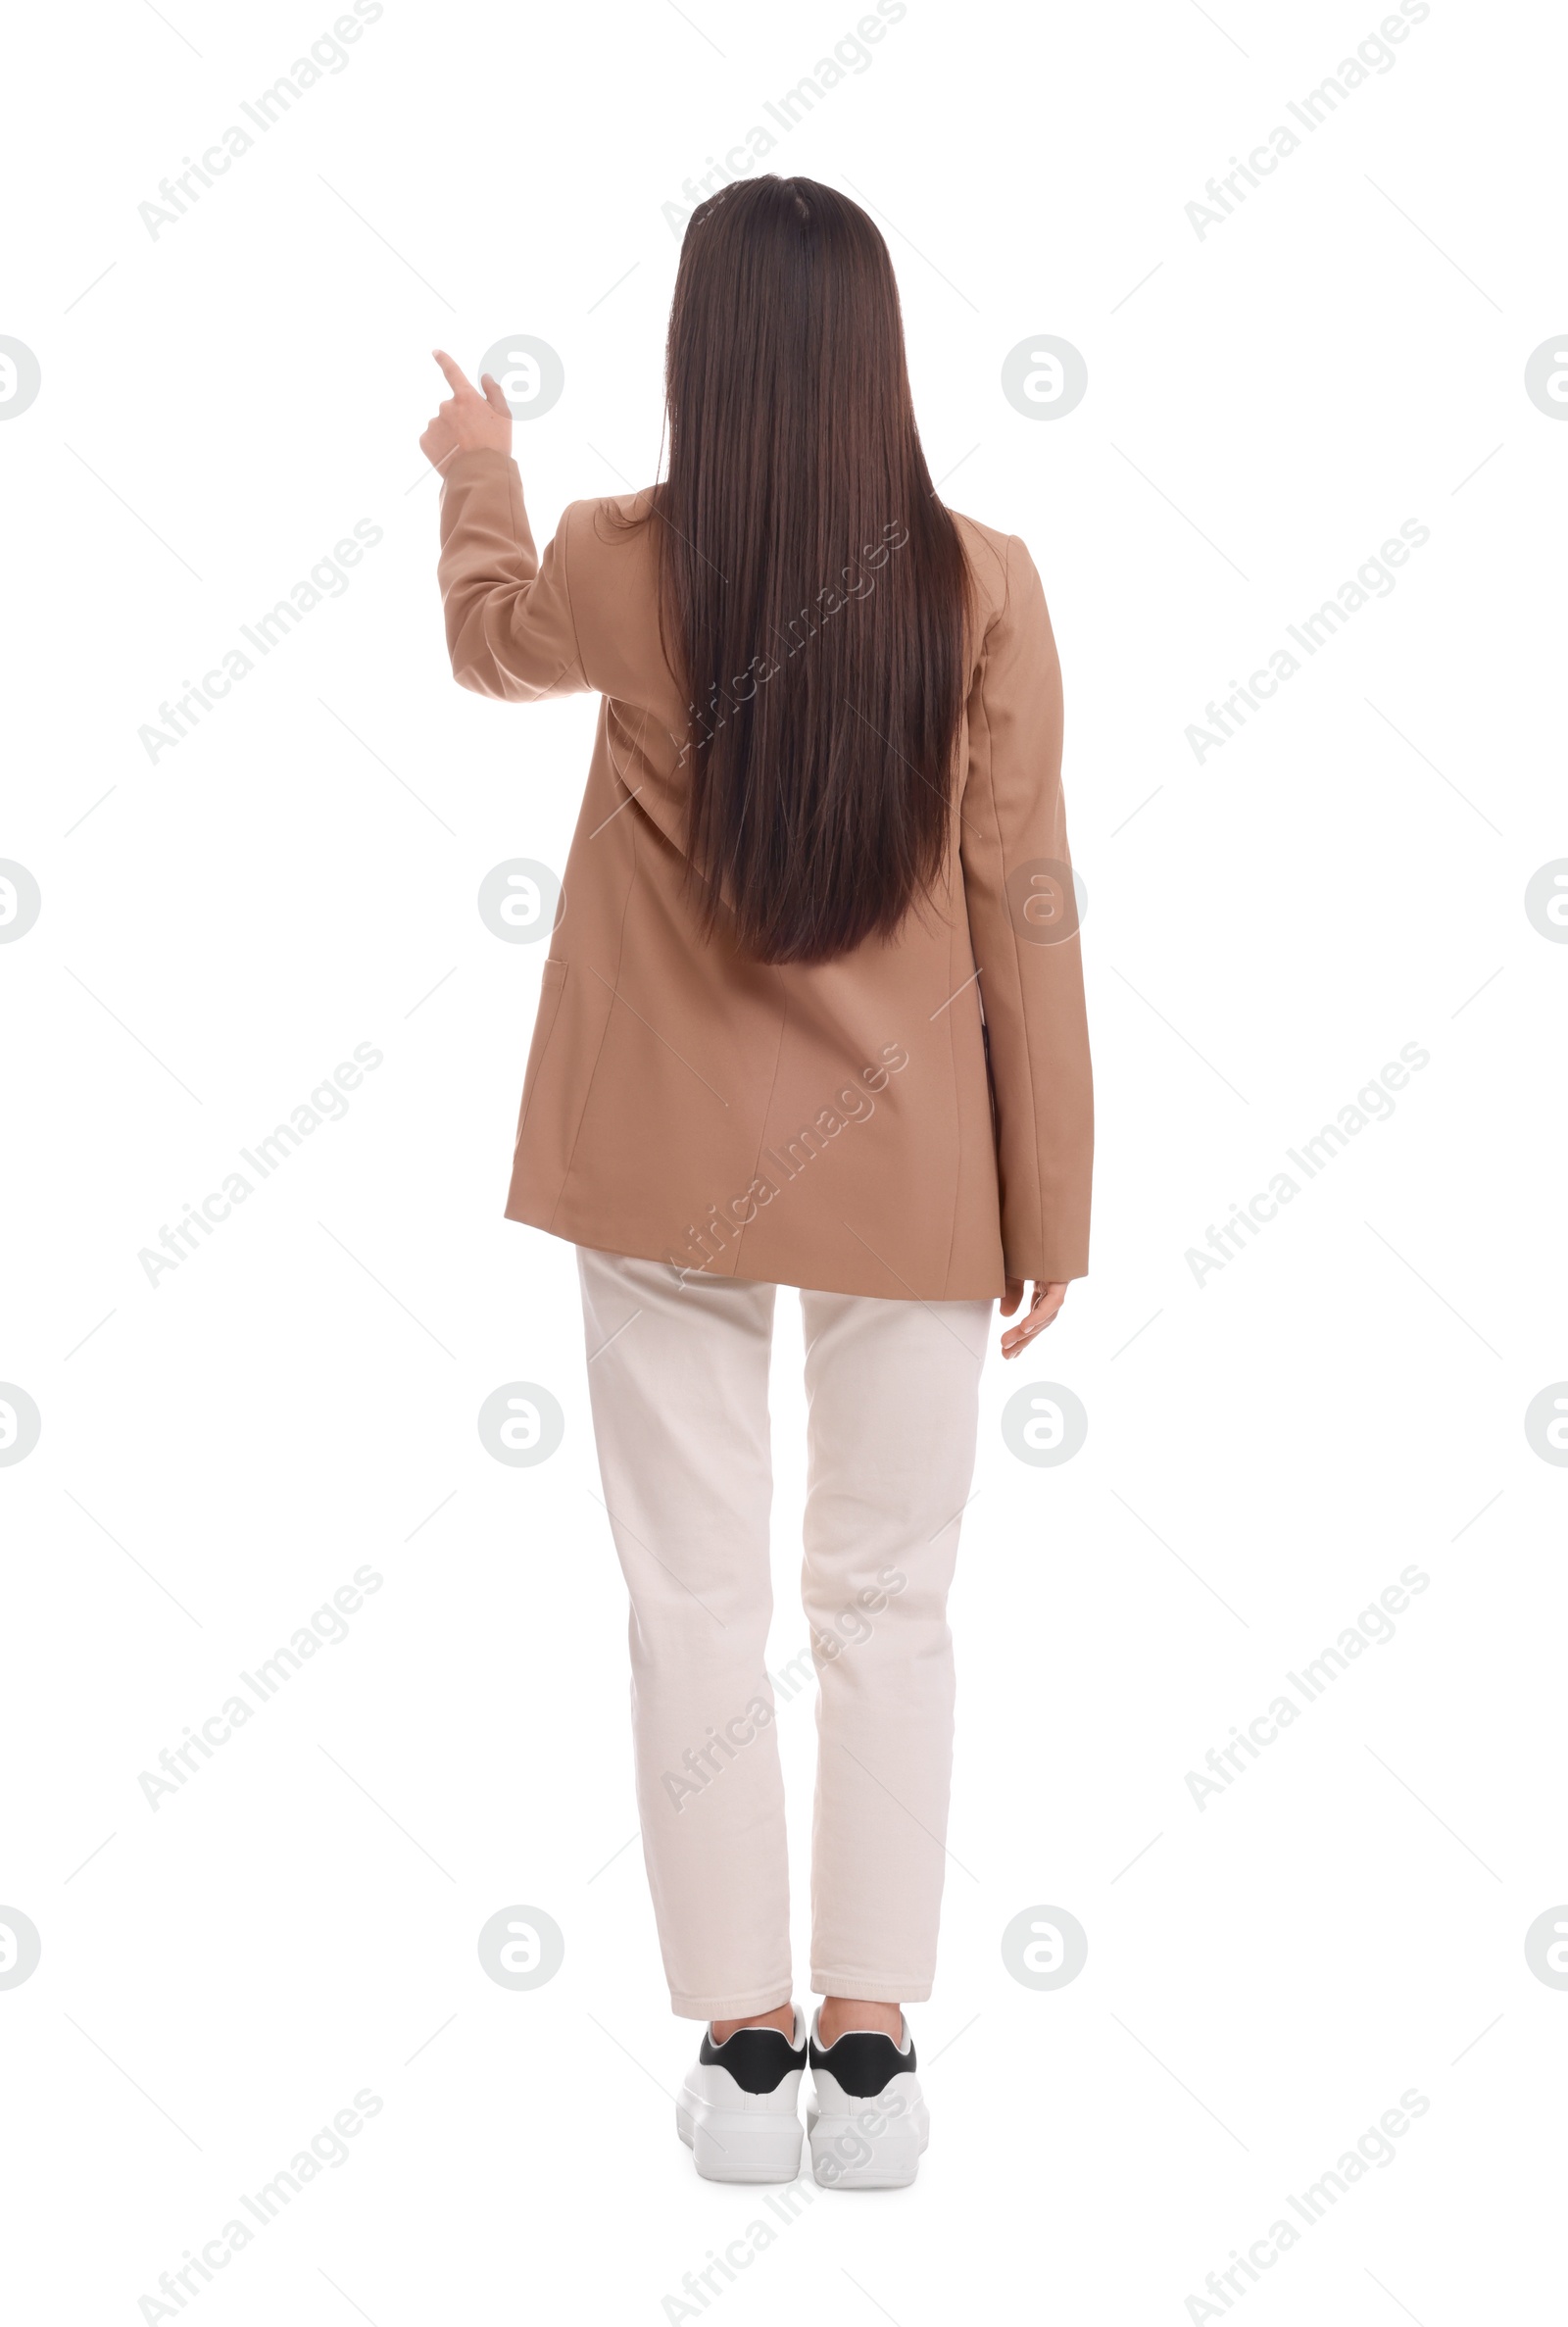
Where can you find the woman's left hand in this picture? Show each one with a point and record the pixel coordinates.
(468, 421)
(1043, 1311)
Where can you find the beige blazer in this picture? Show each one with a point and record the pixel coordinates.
(913, 1121)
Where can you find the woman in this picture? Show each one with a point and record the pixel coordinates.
(814, 1018)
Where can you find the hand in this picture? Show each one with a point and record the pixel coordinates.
(467, 423)
(1043, 1311)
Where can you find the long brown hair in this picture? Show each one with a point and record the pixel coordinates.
(812, 589)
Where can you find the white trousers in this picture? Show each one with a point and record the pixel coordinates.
(677, 1373)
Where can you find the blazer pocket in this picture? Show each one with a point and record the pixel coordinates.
(551, 987)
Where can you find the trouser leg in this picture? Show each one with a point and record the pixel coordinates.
(894, 1397)
(677, 1377)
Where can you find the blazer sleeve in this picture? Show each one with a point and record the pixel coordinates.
(1023, 925)
(511, 630)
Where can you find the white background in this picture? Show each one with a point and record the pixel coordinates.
(1267, 404)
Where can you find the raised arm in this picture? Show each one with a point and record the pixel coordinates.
(1023, 922)
(510, 626)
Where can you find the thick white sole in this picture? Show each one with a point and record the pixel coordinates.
(871, 2144)
(739, 2144)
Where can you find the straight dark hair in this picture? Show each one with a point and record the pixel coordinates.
(813, 590)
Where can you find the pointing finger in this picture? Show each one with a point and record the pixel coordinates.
(457, 380)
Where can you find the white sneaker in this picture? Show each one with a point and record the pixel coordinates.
(867, 2118)
(738, 2112)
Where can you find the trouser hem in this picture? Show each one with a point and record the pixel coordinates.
(731, 2007)
(871, 1987)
